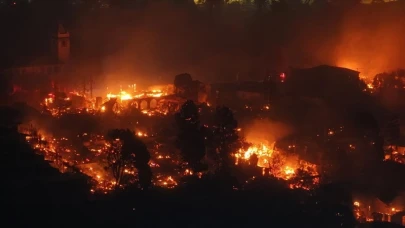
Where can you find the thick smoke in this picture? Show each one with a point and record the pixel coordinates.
(366, 38)
(371, 39)
(151, 45)
(265, 131)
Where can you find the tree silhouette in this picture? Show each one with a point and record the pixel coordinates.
(276, 164)
(303, 179)
(393, 80)
(253, 160)
(369, 130)
(225, 135)
(389, 88)
(190, 139)
(127, 151)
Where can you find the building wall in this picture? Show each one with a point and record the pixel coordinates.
(41, 69)
(42, 77)
(63, 48)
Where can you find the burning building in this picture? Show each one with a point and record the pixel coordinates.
(369, 208)
(157, 99)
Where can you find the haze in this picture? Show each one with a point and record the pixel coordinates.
(153, 45)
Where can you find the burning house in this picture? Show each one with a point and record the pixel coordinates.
(369, 208)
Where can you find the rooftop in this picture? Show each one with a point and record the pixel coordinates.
(24, 61)
(328, 68)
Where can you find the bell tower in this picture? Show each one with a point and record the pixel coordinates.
(61, 44)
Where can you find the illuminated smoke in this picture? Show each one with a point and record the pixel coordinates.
(152, 46)
(266, 131)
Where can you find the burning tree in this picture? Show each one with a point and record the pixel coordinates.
(393, 80)
(276, 164)
(253, 160)
(190, 139)
(304, 179)
(127, 151)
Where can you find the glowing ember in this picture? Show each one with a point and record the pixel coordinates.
(278, 164)
(73, 102)
(63, 156)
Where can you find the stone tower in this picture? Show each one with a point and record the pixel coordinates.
(61, 44)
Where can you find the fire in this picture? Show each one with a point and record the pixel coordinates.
(60, 103)
(167, 182)
(354, 65)
(348, 64)
(125, 96)
(141, 134)
(64, 156)
(278, 164)
(141, 100)
(367, 211)
(289, 171)
(356, 203)
(261, 151)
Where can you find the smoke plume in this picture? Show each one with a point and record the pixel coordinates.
(151, 45)
(265, 131)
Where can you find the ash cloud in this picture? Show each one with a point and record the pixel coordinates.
(371, 39)
(366, 38)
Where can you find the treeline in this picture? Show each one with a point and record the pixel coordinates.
(389, 88)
